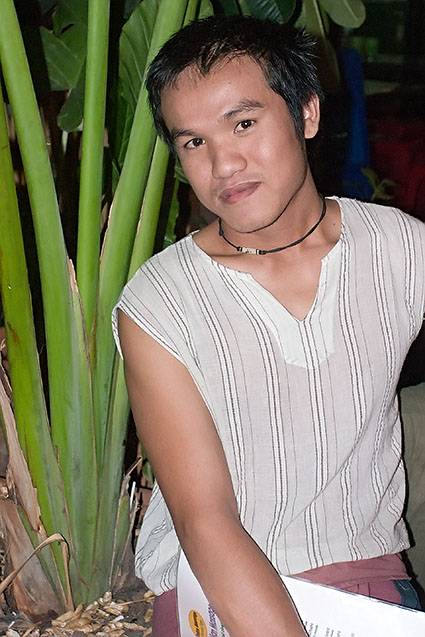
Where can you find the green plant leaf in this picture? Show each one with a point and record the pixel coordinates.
(226, 7)
(205, 10)
(134, 46)
(316, 22)
(64, 55)
(129, 7)
(46, 5)
(69, 12)
(277, 10)
(311, 18)
(71, 113)
(346, 13)
(124, 121)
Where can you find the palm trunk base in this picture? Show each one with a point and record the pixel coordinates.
(31, 591)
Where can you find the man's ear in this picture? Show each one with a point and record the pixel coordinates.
(311, 114)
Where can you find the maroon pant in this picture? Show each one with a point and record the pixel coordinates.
(165, 616)
(165, 621)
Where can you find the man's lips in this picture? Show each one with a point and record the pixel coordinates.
(240, 191)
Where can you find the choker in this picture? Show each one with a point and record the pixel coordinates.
(290, 245)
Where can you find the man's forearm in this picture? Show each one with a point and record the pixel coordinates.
(238, 580)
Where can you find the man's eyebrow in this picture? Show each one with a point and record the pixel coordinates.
(175, 133)
(242, 107)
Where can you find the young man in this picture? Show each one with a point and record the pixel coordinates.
(262, 353)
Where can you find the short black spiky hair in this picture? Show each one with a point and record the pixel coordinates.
(285, 55)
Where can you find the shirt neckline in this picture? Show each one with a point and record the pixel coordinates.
(247, 275)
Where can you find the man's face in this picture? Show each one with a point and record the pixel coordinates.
(237, 143)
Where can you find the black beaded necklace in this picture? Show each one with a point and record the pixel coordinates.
(290, 245)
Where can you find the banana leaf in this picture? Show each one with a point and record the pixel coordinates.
(276, 10)
(346, 13)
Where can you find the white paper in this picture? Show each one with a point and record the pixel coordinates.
(325, 611)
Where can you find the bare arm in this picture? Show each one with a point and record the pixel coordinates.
(189, 463)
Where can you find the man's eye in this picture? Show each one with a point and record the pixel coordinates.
(194, 143)
(244, 124)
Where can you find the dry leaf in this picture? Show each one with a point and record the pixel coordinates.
(92, 606)
(106, 599)
(103, 618)
(71, 614)
(149, 596)
(112, 610)
(121, 606)
(77, 622)
(27, 581)
(131, 626)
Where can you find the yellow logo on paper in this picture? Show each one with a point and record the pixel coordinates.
(197, 624)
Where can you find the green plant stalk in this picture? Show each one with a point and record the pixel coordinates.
(117, 425)
(29, 405)
(110, 484)
(145, 237)
(192, 7)
(41, 189)
(151, 206)
(48, 231)
(121, 536)
(70, 434)
(123, 222)
(80, 473)
(88, 245)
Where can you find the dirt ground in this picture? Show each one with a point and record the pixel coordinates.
(127, 612)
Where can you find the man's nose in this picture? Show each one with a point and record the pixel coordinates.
(226, 160)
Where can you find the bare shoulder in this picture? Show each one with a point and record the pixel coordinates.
(174, 424)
